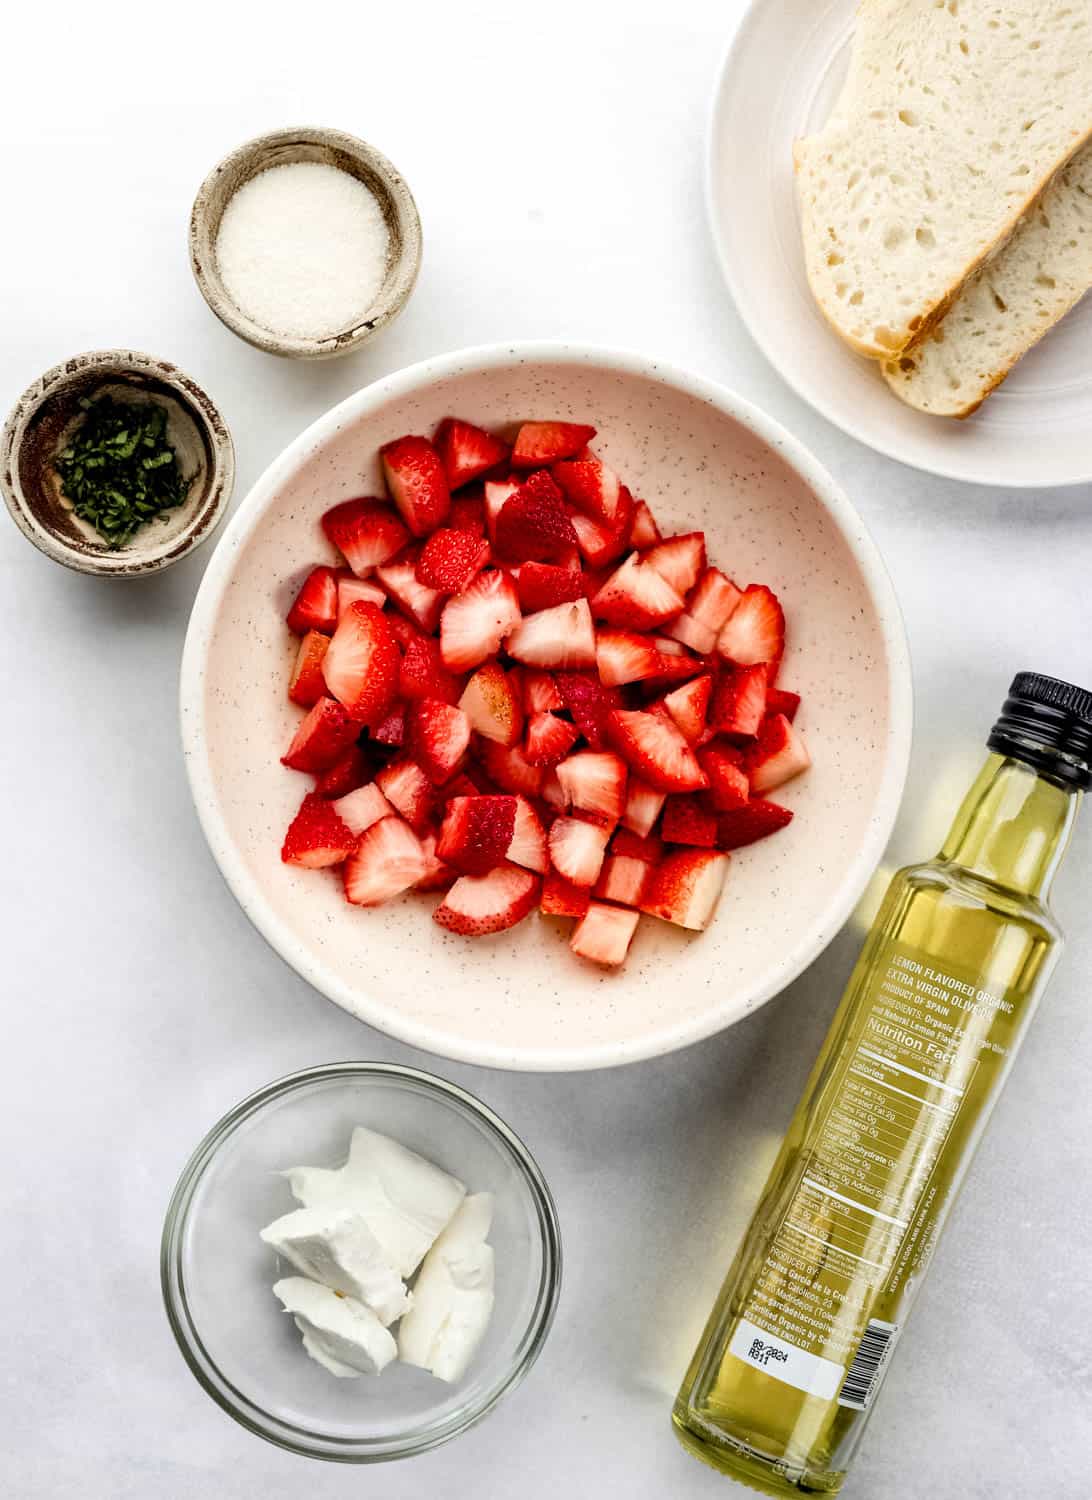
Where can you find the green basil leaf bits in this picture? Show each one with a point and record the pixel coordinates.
(119, 470)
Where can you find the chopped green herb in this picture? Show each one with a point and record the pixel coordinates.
(119, 470)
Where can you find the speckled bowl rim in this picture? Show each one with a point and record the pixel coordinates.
(843, 896)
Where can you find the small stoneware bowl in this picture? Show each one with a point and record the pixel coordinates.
(40, 425)
(336, 149)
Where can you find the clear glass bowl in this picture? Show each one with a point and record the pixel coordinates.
(217, 1275)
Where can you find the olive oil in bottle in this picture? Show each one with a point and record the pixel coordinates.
(798, 1343)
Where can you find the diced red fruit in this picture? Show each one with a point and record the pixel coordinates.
(599, 544)
(468, 513)
(589, 702)
(690, 632)
(655, 749)
(643, 531)
(739, 702)
(552, 792)
(437, 876)
(450, 559)
(474, 623)
(528, 846)
(315, 607)
(604, 934)
(644, 804)
(388, 860)
(688, 706)
(365, 532)
(636, 596)
(404, 630)
(407, 788)
(636, 846)
(509, 769)
(461, 785)
(778, 755)
(623, 879)
(540, 691)
(539, 444)
(595, 781)
(745, 825)
(476, 833)
(561, 898)
(779, 701)
(496, 495)
(559, 638)
(673, 664)
(437, 737)
(392, 730)
(686, 887)
(415, 599)
(679, 559)
(466, 452)
(423, 674)
(595, 489)
(755, 630)
(728, 784)
(359, 809)
(492, 704)
(714, 598)
(624, 656)
(350, 770)
(417, 482)
(532, 526)
(549, 739)
(307, 684)
(362, 663)
(577, 849)
(478, 905)
(687, 821)
(317, 835)
(542, 585)
(325, 734)
(353, 590)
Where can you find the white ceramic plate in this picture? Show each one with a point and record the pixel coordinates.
(779, 81)
(702, 458)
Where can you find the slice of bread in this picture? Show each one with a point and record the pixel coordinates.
(954, 117)
(1007, 306)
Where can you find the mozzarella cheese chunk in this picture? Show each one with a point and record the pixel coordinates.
(453, 1296)
(343, 1335)
(333, 1245)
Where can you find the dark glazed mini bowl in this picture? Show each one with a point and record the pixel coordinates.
(40, 424)
(336, 149)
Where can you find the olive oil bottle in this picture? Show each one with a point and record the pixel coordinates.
(797, 1345)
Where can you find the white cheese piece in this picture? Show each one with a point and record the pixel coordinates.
(333, 1244)
(404, 1199)
(453, 1297)
(343, 1335)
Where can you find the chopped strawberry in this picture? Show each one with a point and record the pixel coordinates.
(691, 632)
(636, 596)
(423, 674)
(679, 559)
(577, 849)
(589, 702)
(492, 705)
(673, 663)
(307, 684)
(365, 532)
(656, 750)
(552, 792)
(540, 692)
(468, 513)
(778, 755)
(746, 825)
(362, 662)
(728, 784)
(388, 860)
(739, 702)
(687, 821)
(476, 833)
(510, 770)
(595, 489)
(461, 785)
(634, 846)
(528, 846)
(450, 559)
(623, 879)
(323, 737)
(417, 482)
(532, 525)
(467, 452)
(561, 898)
(496, 495)
(779, 701)
(360, 809)
(478, 905)
(539, 444)
(415, 599)
(407, 788)
(542, 585)
(559, 638)
(353, 590)
(437, 737)
(392, 730)
(599, 544)
(604, 933)
(688, 706)
(595, 781)
(437, 876)
(714, 598)
(404, 630)
(643, 531)
(475, 622)
(624, 656)
(316, 603)
(317, 835)
(350, 770)
(686, 887)
(644, 804)
(755, 630)
(549, 739)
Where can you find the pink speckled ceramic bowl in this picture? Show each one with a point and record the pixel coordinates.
(702, 457)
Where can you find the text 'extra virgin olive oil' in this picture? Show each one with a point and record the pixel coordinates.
(793, 1355)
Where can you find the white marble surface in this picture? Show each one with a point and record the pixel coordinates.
(556, 158)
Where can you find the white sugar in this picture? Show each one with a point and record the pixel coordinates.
(302, 249)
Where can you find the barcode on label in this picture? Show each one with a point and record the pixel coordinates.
(863, 1375)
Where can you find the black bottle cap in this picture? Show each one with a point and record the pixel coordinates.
(1048, 725)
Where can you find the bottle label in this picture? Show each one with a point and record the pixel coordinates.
(864, 1209)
